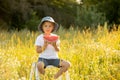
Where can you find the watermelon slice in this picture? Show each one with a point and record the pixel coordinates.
(51, 38)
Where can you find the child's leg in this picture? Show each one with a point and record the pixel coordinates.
(64, 67)
(40, 66)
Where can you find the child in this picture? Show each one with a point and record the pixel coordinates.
(48, 51)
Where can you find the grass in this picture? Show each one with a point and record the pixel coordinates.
(94, 55)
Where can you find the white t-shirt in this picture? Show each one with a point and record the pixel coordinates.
(49, 52)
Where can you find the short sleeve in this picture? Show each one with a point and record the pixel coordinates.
(39, 41)
(58, 42)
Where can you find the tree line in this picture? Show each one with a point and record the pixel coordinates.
(20, 14)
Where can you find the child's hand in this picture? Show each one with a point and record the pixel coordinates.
(54, 44)
(45, 43)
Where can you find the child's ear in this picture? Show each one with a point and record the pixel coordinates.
(53, 28)
(42, 29)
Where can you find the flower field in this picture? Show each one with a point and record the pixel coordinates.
(94, 54)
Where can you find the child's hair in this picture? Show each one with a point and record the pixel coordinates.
(48, 19)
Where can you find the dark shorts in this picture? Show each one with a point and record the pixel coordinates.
(47, 62)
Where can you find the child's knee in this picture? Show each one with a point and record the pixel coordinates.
(68, 64)
(40, 64)
(65, 64)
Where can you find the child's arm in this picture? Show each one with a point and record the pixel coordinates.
(40, 49)
(57, 48)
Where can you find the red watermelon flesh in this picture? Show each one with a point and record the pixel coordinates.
(51, 38)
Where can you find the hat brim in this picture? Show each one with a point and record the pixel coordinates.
(41, 23)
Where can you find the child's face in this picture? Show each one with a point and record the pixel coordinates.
(48, 27)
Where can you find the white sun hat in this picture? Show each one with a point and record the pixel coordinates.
(49, 19)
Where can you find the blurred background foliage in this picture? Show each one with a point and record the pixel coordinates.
(20, 14)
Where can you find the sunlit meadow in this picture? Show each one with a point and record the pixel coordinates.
(94, 54)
